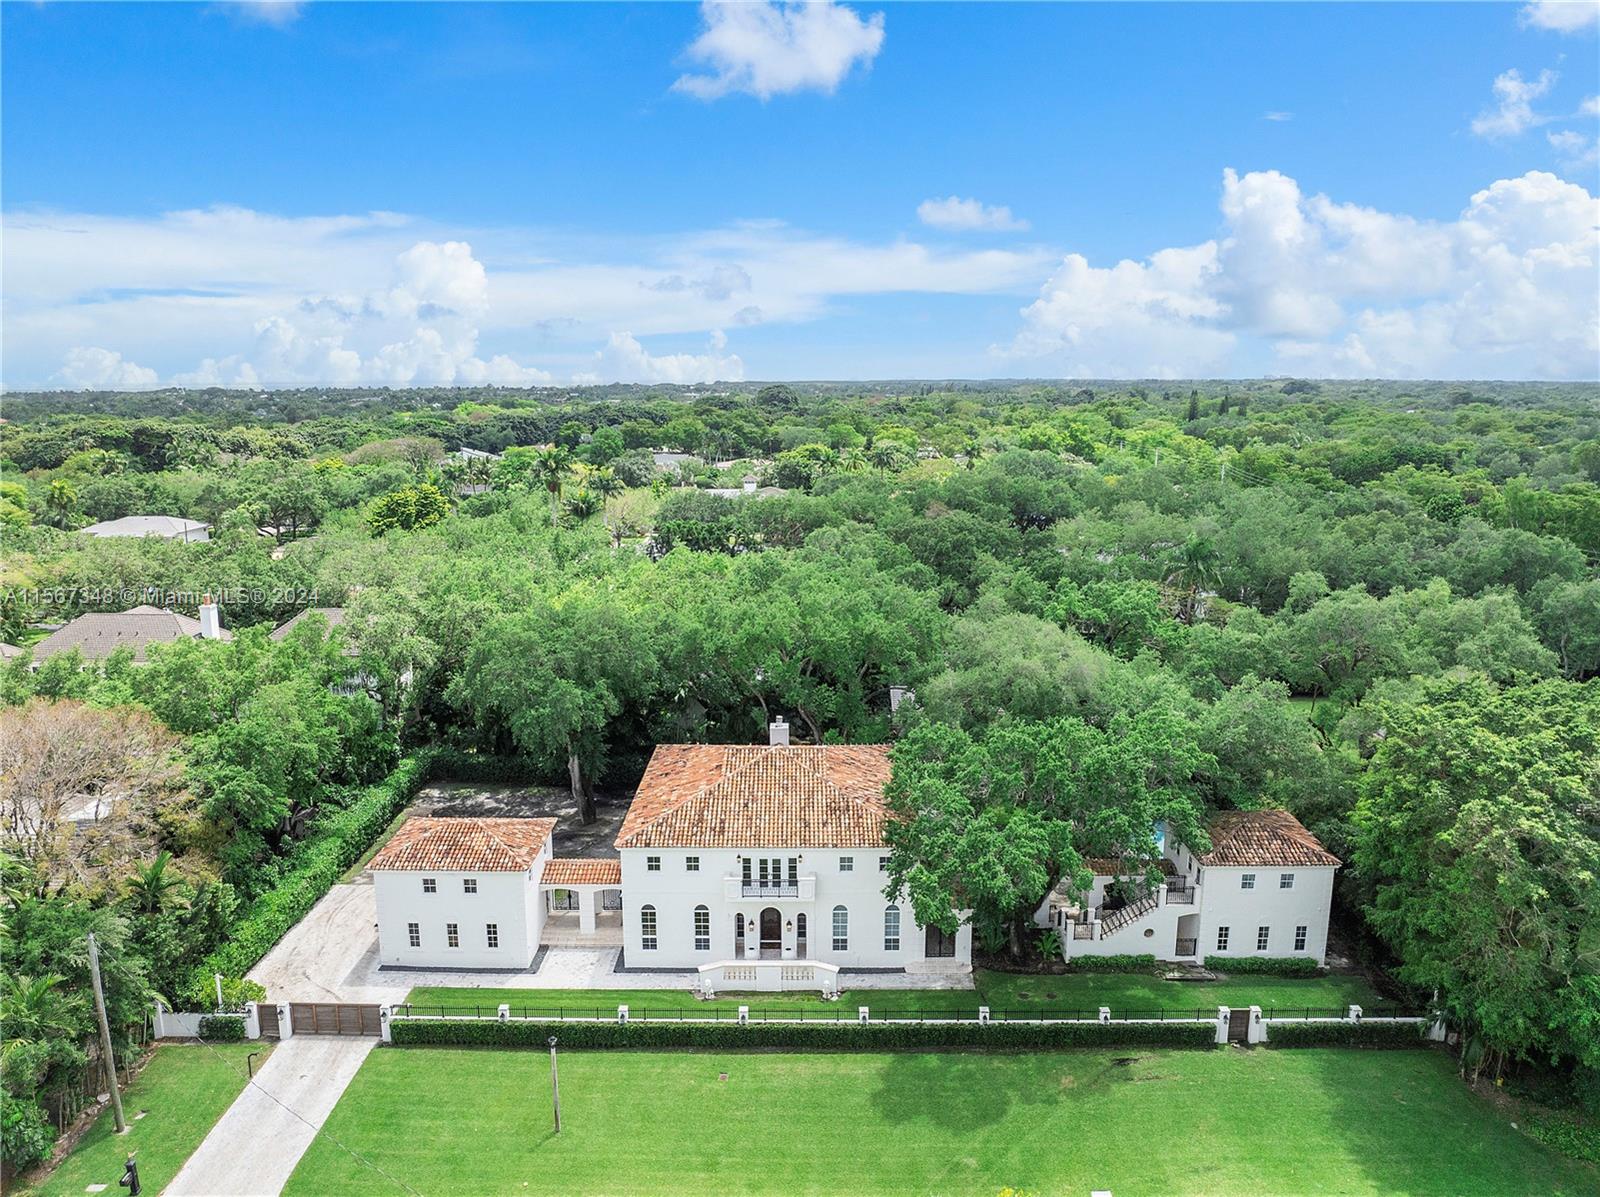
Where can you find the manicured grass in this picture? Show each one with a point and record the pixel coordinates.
(1197, 1122)
(1016, 992)
(181, 1092)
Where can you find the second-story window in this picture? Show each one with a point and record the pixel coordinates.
(652, 864)
(1247, 881)
(429, 885)
(469, 885)
(1285, 880)
(847, 864)
(691, 864)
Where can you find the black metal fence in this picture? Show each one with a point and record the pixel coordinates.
(845, 1011)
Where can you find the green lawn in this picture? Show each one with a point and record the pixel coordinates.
(181, 1094)
(1158, 1122)
(1000, 991)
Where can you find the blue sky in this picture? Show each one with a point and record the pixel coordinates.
(677, 193)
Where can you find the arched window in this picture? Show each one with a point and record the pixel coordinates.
(841, 929)
(891, 929)
(647, 928)
(702, 929)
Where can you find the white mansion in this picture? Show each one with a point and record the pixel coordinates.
(764, 866)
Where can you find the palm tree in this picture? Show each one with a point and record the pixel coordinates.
(1197, 567)
(149, 884)
(36, 1012)
(551, 465)
(584, 503)
(853, 461)
(608, 486)
(61, 502)
(972, 450)
(886, 455)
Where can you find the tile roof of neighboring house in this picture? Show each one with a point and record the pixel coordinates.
(7, 651)
(464, 845)
(1241, 838)
(574, 871)
(100, 633)
(752, 796)
(169, 526)
(334, 616)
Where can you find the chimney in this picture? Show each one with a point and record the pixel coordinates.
(210, 621)
(778, 732)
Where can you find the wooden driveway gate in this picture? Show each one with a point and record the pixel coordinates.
(334, 1018)
(267, 1013)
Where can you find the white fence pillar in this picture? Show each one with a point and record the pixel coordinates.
(861, 1014)
(622, 1013)
(1256, 1032)
(744, 1014)
(285, 1021)
(1436, 1031)
(252, 1021)
(503, 1011)
(983, 1015)
(1105, 1013)
(385, 1027)
(1223, 1016)
(1353, 1013)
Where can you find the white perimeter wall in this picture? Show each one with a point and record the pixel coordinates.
(675, 892)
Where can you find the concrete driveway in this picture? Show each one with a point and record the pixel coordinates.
(331, 955)
(257, 1143)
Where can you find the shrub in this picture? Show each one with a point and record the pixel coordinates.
(320, 861)
(1113, 964)
(1569, 1136)
(1271, 966)
(455, 765)
(26, 1135)
(1347, 1034)
(834, 1036)
(222, 1028)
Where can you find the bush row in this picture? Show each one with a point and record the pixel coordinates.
(1113, 964)
(1347, 1034)
(337, 843)
(874, 1037)
(222, 1028)
(1272, 966)
(455, 765)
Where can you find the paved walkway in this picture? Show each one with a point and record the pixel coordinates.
(257, 1143)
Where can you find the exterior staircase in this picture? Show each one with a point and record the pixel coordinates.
(1113, 921)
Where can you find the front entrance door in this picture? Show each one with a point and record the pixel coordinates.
(771, 934)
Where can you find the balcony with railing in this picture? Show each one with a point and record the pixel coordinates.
(1179, 892)
(801, 889)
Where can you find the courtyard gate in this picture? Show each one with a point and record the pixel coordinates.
(334, 1018)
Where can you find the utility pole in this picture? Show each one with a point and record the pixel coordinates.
(555, 1084)
(105, 1035)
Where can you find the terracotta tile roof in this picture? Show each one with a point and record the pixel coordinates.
(1240, 838)
(1103, 866)
(744, 796)
(570, 871)
(464, 845)
(334, 616)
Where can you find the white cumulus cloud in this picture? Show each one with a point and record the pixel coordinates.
(766, 49)
(624, 359)
(1562, 16)
(962, 215)
(1513, 111)
(90, 368)
(1309, 284)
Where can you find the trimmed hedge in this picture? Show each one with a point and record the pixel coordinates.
(840, 1036)
(1270, 966)
(1347, 1034)
(451, 764)
(1112, 964)
(222, 1028)
(321, 860)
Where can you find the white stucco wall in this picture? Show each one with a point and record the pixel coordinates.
(509, 900)
(674, 892)
(1227, 904)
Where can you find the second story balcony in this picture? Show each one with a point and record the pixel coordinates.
(797, 889)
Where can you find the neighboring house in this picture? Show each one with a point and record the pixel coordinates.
(167, 527)
(334, 616)
(751, 486)
(769, 852)
(671, 461)
(466, 454)
(9, 652)
(1264, 889)
(99, 634)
